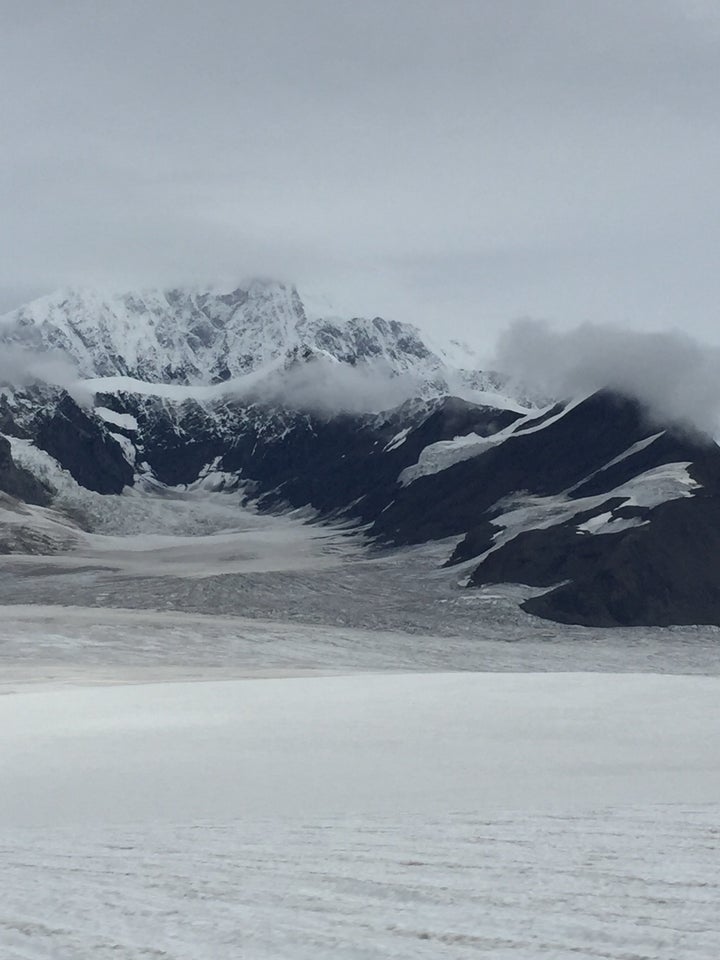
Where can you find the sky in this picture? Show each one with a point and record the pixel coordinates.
(454, 163)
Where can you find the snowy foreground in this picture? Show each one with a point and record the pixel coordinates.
(366, 816)
(631, 883)
(240, 737)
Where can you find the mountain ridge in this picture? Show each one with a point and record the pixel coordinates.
(202, 336)
(576, 498)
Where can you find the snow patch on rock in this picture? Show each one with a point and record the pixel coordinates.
(124, 420)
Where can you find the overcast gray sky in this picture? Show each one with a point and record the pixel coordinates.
(454, 162)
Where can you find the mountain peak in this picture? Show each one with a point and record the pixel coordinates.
(190, 335)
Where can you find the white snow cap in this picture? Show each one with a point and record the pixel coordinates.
(257, 339)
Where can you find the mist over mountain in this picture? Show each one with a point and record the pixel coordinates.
(676, 377)
(597, 495)
(256, 341)
(24, 363)
(264, 340)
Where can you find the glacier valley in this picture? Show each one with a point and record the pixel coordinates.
(245, 735)
(397, 683)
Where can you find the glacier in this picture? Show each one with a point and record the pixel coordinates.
(248, 707)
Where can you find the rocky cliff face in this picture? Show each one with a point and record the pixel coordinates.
(19, 483)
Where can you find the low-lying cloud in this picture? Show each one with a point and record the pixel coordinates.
(674, 376)
(21, 366)
(326, 386)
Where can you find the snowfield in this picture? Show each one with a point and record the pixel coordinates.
(226, 735)
(368, 744)
(624, 883)
(375, 816)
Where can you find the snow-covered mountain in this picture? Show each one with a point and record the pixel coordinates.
(615, 516)
(209, 336)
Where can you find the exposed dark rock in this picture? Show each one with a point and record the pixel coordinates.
(661, 572)
(664, 572)
(83, 447)
(349, 463)
(548, 461)
(17, 482)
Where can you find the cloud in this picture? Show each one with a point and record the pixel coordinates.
(452, 164)
(326, 386)
(676, 377)
(21, 366)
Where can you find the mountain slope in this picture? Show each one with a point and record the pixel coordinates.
(615, 516)
(202, 337)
